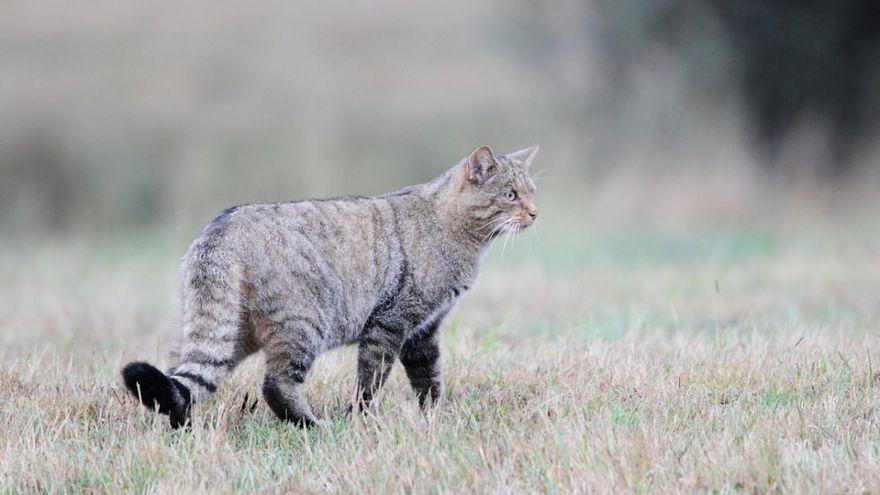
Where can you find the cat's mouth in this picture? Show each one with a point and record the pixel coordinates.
(520, 226)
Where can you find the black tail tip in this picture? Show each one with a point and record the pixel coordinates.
(154, 388)
(141, 375)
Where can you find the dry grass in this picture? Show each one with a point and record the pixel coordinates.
(719, 361)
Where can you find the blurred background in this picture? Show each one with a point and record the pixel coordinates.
(131, 116)
(703, 284)
(703, 164)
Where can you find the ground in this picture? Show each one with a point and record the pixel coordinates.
(586, 359)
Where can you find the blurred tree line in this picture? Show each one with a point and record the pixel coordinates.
(127, 115)
(788, 64)
(792, 60)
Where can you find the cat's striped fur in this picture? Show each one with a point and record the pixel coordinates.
(296, 279)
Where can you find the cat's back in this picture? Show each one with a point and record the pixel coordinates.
(354, 235)
(264, 228)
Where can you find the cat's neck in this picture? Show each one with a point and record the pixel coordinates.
(457, 228)
(455, 222)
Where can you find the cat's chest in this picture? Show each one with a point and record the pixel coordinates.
(430, 282)
(430, 298)
(443, 282)
(429, 312)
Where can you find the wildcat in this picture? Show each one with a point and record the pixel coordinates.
(296, 279)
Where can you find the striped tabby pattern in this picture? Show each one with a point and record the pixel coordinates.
(299, 278)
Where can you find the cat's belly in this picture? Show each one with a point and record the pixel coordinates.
(412, 315)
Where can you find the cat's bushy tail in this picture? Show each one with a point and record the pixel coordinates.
(157, 390)
(213, 341)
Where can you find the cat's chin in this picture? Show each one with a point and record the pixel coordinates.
(523, 226)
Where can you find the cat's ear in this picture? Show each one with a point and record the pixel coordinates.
(524, 156)
(480, 165)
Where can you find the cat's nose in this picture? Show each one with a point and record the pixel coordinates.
(531, 208)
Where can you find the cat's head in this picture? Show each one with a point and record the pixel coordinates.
(496, 193)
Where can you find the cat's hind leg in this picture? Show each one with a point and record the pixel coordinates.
(215, 338)
(291, 349)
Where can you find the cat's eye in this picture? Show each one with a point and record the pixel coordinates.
(511, 195)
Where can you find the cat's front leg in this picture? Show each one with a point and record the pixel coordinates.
(420, 356)
(378, 349)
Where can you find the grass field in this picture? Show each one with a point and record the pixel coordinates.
(640, 360)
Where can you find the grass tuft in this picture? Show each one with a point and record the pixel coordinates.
(645, 364)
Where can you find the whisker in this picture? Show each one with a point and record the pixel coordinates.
(504, 227)
(537, 175)
(498, 227)
(532, 235)
(490, 222)
(510, 232)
